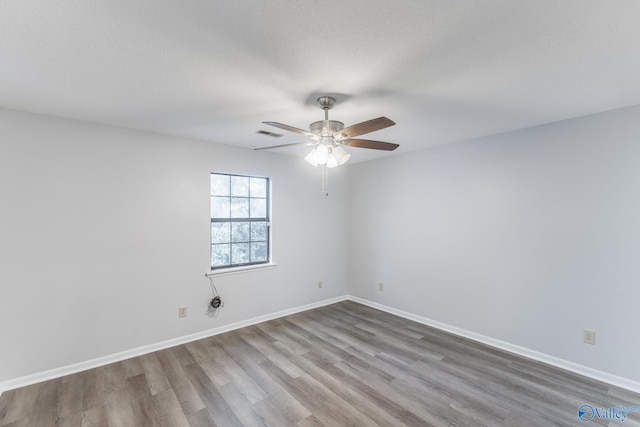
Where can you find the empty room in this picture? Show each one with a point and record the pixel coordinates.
(319, 213)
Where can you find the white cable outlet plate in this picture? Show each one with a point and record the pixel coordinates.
(589, 337)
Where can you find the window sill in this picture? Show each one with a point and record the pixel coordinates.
(238, 270)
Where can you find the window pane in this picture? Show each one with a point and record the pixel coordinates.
(258, 187)
(258, 208)
(258, 251)
(240, 253)
(220, 232)
(220, 207)
(239, 207)
(240, 232)
(258, 231)
(240, 186)
(219, 185)
(220, 255)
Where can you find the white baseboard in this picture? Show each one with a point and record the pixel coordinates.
(105, 360)
(511, 348)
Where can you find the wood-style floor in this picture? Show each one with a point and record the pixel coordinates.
(340, 365)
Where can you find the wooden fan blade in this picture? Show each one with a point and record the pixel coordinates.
(290, 129)
(375, 145)
(365, 127)
(283, 145)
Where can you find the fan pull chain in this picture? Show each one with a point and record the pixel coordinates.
(325, 180)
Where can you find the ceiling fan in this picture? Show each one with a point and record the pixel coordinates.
(330, 136)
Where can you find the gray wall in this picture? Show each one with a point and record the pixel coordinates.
(527, 237)
(105, 232)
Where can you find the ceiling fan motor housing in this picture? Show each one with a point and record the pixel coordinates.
(326, 127)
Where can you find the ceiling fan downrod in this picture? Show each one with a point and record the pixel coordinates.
(326, 103)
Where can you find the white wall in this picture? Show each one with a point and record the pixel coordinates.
(105, 232)
(527, 237)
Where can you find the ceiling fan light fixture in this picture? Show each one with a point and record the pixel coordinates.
(321, 154)
(342, 156)
(337, 156)
(331, 156)
(332, 161)
(310, 158)
(318, 156)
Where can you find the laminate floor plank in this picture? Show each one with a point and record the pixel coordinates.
(119, 410)
(132, 367)
(154, 373)
(168, 406)
(239, 349)
(72, 419)
(93, 388)
(186, 394)
(138, 387)
(95, 416)
(71, 399)
(240, 378)
(20, 404)
(218, 409)
(46, 405)
(200, 418)
(183, 356)
(241, 406)
(277, 356)
(280, 337)
(276, 413)
(327, 349)
(344, 364)
(145, 412)
(198, 351)
(278, 399)
(319, 331)
(310, 421)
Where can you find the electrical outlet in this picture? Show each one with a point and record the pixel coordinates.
(589, 337)
(320, 284)
(182, 311)
(380, 286)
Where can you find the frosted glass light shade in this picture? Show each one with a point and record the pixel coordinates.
(332, 161)
(321, 154)
(310, 158)
(341, 155)
(337, 156)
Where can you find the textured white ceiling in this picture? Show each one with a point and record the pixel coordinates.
(444, 71)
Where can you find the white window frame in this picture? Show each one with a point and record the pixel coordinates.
(232, 266)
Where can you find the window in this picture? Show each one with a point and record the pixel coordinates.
(239, 220)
